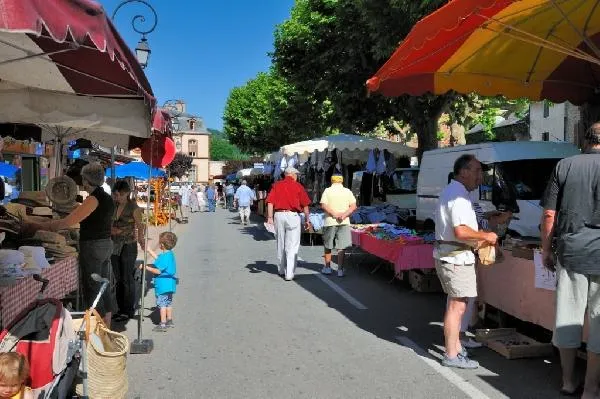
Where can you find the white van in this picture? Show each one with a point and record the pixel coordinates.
(525, 167)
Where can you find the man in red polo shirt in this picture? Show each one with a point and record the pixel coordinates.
(286, 199)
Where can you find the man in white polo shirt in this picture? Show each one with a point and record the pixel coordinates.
(456, 233)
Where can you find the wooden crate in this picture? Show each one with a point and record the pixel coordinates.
(424, 282)
(511, 344)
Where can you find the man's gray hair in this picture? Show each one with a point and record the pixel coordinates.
(462, 163)
(93, 173)
(592, 136)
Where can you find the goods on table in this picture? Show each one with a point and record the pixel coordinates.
(387, 213)
(389, 232)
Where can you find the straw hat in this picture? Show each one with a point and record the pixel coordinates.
(62, 190)
(50, 237)
(41, 211)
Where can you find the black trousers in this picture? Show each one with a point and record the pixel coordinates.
(127, 291)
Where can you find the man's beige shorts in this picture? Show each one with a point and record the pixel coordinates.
(458, 281)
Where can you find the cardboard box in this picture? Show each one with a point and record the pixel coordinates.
(511, 344)
(424, 282)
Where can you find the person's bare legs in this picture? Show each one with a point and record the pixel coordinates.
(340, 258)
(163, 316)
(169, 313)
(327, 257)
(452, 321)
(592, 376)
(567, 364)
(107, 319)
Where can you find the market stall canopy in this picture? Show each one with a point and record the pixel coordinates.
(243, 173)
(353, 146)
(62, 63)
(538, 49)
(137, 170)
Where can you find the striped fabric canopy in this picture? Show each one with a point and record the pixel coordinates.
(537, 49)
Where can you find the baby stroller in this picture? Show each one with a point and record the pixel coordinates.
(44, 333)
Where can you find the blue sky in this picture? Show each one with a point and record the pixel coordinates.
(201, 49)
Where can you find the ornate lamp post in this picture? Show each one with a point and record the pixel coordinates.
(142, 51)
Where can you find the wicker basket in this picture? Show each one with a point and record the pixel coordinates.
(107, 369)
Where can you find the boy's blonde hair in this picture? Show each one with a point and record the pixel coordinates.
(14, 368)
(168, 240)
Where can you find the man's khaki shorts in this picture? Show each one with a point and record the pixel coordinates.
(338, 237)
(458, 281)
(576, 292)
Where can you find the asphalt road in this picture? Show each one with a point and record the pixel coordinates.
(243, 332)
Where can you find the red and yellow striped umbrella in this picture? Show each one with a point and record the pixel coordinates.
(538, 49)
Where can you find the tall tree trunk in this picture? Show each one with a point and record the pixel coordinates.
(427, 130)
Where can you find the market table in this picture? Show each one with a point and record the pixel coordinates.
(402, 256)
(14, 299)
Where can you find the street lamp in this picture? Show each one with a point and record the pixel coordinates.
(142, 51)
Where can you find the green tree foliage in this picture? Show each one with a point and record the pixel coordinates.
(180, 165)
(267, 112)
(222, 150)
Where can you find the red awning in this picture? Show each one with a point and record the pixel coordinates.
(89, 55)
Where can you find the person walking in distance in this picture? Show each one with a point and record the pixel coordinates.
(211, 198)
(571, 218)
(338, 203)
(457, 233)
(286, 198)
(245, 196)
(229, 195)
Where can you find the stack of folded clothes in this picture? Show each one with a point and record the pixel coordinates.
(382, 213)
(35, 259)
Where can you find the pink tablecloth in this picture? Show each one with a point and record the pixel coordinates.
(356, 235)
(63, 276)
(404, 257)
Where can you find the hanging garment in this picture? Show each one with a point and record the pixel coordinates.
(338, 165)
(371, 162)
(381, 165)
(313, 159)
(391, 162)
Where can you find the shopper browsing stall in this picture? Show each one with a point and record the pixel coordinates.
(338, 202)
(457, 233)
(286, 198)
(571, 215)
(95, 216)
(245, 196)
(127, 231)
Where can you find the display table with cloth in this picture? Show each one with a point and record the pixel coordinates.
(63, 279)
(403, 255)
(509, 286)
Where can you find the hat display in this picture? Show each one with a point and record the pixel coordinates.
(42, 211)
(62, 190)
(50, 237)
(38, 198)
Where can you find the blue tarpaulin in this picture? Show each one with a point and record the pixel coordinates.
(137, 170)
(7, 170)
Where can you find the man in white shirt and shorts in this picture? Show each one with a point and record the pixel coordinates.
(457, 233)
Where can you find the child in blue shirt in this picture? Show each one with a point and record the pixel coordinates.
(165, 280)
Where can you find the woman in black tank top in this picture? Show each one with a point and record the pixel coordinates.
(95, 217)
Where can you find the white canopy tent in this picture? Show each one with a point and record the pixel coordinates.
(354, 147)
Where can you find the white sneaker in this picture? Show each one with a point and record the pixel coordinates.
(326, 270)
(341, 273)
(470, 343)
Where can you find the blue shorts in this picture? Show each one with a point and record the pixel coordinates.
(164, 300)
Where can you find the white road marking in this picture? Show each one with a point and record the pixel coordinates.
(353, 301)
(445, 372)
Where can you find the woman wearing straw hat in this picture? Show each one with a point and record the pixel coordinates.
(95, 216)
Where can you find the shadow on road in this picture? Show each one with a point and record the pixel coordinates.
(395, 311)
(261, 266)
